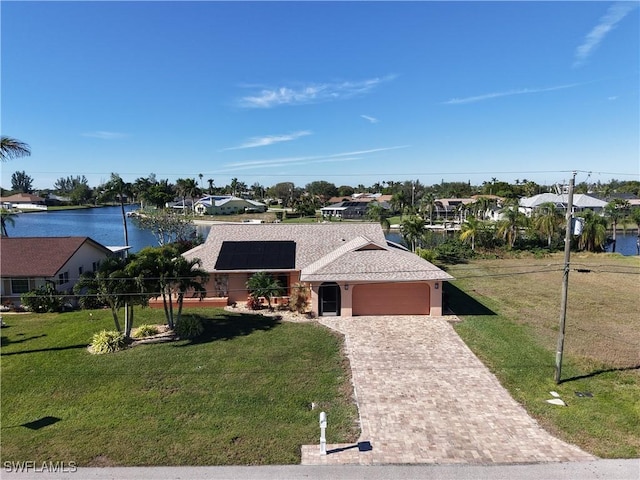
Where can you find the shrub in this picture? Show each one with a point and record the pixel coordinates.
(427, 254)
(44, 299)
(107, 342)
(145, 331)
(300, 296)
(454, 251)
(189, 327)
(253, 303)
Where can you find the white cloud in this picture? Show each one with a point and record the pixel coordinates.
(370, 119)
(608, 22)
(612, 98)
(508, 93)
(313, 93)
(105, 135)
(269, 140)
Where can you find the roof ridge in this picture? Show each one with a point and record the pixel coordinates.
(350, 246)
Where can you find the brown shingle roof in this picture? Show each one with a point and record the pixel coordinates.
(327, 251)
(38, 256)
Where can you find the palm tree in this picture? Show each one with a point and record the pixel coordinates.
(210, 182)
(187, 187)
(412, 229)
(594, 232)
(110, 283)
(547, 221)
(428, 204)
(262, 284)
(616, 210)
(6, 216)
(470, 229)
(187, 275)
(116, 187)
(509, 226)
(12, 148)
(378, 213)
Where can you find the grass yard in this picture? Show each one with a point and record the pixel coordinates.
(239, 395)
(510, 311)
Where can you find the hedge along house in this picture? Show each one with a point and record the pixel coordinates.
(351, 268)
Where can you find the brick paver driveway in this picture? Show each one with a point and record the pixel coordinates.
(424, 397)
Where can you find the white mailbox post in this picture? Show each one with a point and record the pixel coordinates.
(323, 429)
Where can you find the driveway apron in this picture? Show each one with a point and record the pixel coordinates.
(424, 397)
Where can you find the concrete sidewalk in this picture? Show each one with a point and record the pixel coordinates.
(424, 397)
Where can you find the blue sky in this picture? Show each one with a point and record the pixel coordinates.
(347, 92)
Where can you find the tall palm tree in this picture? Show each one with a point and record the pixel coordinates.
(412, 229)
(428, 204)
(470, 229)
(616, 211)
(13, 148)
(509, 226)
(547, 220)
(187, 188)
(118, 188)
(594, 232)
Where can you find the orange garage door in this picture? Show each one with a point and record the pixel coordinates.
(391, 299)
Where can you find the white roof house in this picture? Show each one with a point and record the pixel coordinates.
(226, 205)
(581, 201)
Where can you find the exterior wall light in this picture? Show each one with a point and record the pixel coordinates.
(436, 285)
(346, 286)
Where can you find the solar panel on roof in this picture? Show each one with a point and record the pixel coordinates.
(257, 255)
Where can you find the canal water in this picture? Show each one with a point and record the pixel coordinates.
(104, 225)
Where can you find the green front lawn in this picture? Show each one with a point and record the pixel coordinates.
(240, 395)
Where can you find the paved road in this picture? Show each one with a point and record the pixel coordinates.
(424, 397)
(600, 470)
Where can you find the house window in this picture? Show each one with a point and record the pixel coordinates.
(283, 280)
(63, 278)
(19, 285)
(95, 266)
(80, 270)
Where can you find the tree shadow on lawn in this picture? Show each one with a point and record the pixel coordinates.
(51, 349)
(4, 341)
(460, 303)
(228, 327)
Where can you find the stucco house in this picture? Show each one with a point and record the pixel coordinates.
(28, 263)
(351, 268)
(226, 205)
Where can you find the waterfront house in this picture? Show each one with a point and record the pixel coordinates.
(581, 202)
(28, 263)
(23, 201)
(227, 205)
(349, 267)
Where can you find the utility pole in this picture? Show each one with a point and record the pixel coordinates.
(565, 279)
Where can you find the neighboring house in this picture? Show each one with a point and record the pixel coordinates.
(351, 268)
(362, 197)
(28, 263)
(347, 210)
(581, 202)
(23, 200)
(227, 205)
